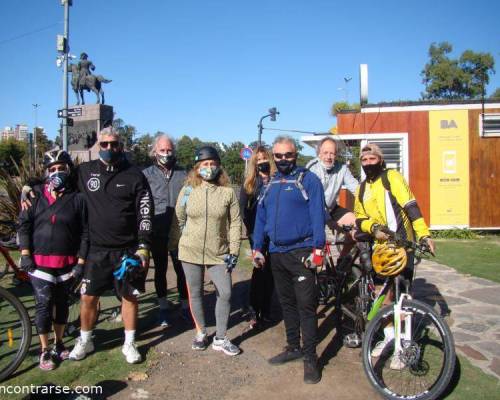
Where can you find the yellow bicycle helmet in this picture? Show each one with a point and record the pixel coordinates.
(388, 259)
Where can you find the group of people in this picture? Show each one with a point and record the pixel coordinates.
(85, 221)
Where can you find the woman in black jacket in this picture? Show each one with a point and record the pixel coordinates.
(53, 241)
(260, 169)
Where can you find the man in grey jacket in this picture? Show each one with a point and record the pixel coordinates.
(333, 175)
(166, 181)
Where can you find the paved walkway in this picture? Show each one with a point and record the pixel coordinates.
(472, 309)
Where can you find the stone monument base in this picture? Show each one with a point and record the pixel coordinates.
(88, 121)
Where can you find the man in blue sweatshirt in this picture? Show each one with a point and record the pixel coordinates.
(291, 212)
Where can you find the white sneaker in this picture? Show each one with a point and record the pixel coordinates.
(226, 346)
(380, 347)
(396, 363)
(81, 349)
(131, 354)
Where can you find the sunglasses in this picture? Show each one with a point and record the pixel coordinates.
(58, 168)
(280, 156)
(113, 144)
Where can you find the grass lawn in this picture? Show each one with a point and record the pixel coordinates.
(477, 257)
(107, 365)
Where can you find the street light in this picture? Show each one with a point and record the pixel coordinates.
(272, 113)
(35, 106)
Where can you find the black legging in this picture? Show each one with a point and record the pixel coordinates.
(51, 299)
(160, 257)
(261, 287)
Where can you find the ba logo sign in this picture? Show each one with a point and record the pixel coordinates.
(445, 124)
(93, 184)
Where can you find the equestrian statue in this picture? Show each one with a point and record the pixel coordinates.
(83, 79)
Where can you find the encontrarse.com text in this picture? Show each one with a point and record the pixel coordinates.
(34, 389)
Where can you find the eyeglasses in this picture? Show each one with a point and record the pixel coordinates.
(113, 144)
(57, 168)
(280, 156)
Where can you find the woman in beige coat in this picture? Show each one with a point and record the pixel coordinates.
(209, 218)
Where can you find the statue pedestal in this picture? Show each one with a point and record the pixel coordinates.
(82, 136)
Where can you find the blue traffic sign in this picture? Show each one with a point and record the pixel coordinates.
(246, 153)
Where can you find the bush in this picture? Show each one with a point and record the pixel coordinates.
(456, 233)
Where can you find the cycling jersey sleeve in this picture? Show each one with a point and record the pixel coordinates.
(84, 241)
(25, 228)
(363, 221)
(405, 198)
(145, 211)
(234, 225)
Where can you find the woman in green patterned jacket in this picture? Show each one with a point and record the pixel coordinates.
(209, 218)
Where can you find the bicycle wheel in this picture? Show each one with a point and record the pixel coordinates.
(15, 333)
(426, 363)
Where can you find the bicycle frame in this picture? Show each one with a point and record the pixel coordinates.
(20, 275)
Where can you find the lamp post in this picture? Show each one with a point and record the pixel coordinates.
(35, 106)
(272, 113)
(63, 49)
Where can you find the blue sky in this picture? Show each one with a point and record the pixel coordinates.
(212, 68)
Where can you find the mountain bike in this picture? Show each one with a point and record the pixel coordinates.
(418, 359)
(15, 333)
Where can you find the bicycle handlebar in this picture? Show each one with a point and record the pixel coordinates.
(397, 239)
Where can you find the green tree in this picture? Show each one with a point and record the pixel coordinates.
(343, 105)
(233, 164)
(140, 150)
(127, 132)
(11, 151)
(43, 143)
(495, 94)
(462, 78)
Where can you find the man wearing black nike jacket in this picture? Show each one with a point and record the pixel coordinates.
(120, 211)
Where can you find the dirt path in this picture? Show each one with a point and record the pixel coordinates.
(181, 373)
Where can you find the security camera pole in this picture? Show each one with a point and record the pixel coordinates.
(63, 48)
(272, 113)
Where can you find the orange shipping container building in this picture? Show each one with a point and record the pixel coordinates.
(448, 153)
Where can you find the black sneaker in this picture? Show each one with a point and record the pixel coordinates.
(289, 354)
(312, 373)
(60, 351)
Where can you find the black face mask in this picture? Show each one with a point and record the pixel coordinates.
(372, 171)
(110, 156)
(285, 166)
(264, 167)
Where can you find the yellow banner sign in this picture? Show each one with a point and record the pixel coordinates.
(449, 168)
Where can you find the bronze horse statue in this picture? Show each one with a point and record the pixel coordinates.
(91, 83)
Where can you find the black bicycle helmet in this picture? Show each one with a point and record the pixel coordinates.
(207, 153)
(56, 157)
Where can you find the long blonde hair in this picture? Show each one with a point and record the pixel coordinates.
(194, 179)
(251, 178)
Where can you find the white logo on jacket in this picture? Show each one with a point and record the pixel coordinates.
(93, 184)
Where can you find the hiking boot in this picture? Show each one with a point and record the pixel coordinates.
(289, 354)
(132, 355)
(163, 318)
(81, 349)
(226, 346)
(47, 362)
(60, 351)
(200, 342)
(312, 373)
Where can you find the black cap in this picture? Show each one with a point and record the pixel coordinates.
(207, 153)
